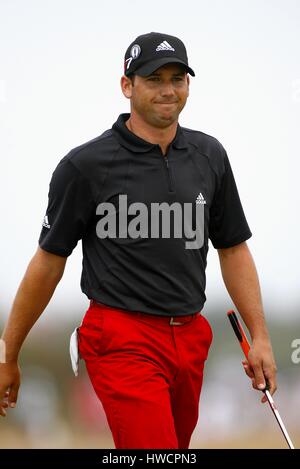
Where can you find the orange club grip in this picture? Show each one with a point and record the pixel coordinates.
(239, 332)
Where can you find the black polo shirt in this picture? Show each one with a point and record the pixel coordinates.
(156, 275)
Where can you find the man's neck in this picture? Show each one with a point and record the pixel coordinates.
(161, 137)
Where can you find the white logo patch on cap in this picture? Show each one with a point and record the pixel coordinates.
(164, 46)
(135, 51)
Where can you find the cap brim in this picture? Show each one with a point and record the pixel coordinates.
(150, 67)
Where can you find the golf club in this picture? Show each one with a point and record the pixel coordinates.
(242, 338)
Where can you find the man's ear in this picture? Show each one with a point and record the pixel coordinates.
(126, 86)
(188, 82)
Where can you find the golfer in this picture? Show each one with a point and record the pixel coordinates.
(145, 198)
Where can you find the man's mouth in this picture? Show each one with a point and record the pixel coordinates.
(167, 104)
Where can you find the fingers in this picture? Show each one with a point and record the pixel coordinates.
(3, 404)
(254, 385)
(261, 377)
(256, 374)
(9, 400)
(248, 369)
(4, 400)
(270, 375)
(263, 400)
(13, 395)
(10, 379)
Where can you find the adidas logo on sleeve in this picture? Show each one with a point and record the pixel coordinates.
(200, 199)
(46, 222)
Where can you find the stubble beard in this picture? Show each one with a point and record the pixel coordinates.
(162, 120)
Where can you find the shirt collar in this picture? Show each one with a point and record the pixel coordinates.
(136, 144)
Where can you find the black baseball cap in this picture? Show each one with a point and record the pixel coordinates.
(150, 51)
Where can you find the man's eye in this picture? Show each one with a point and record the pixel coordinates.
(153, 79)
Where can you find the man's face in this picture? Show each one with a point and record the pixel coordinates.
(160, 97)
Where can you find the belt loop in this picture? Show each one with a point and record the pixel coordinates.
(174, 323)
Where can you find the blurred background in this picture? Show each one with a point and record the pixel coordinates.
(60, 67)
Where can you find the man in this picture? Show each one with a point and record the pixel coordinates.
(144, 197)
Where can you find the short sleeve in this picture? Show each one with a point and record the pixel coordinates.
(228, 225)
(70, 209)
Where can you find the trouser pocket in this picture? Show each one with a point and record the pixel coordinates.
(90, 334)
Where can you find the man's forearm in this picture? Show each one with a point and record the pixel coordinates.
(241, 280)
(33, 295)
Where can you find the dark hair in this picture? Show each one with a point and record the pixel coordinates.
(131, 78)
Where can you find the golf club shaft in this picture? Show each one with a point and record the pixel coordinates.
(278, 418)
(244, 343)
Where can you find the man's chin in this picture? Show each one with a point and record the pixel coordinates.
(165, 120)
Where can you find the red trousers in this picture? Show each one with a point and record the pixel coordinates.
(147, 373)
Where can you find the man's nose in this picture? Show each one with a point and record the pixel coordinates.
(167, 89)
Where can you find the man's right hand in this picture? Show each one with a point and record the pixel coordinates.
(37, 287)
(10, 378)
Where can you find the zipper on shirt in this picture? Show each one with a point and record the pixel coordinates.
(170, 181)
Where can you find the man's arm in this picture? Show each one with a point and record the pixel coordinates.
(241, 280)
(34, 293)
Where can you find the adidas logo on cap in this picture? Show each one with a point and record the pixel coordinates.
(164, 46)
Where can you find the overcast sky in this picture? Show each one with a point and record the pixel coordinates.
(60, 68)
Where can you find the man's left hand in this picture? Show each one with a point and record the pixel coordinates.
(261, 367)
